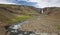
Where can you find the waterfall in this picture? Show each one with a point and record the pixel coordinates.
(42, 11)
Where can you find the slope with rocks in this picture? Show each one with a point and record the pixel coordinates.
(48, 22)
(10, 14)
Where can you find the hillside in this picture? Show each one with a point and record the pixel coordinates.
(15, 13)
(49, 21)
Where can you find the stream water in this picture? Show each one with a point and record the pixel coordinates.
(15, 30)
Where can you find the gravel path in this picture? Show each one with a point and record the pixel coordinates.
(41, 24)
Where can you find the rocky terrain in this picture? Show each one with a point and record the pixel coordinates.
(46, 22)
(10, 14)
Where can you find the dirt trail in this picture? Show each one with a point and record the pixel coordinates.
(42, 24)
(39, 24)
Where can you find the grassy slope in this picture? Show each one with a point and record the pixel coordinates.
(15, 13)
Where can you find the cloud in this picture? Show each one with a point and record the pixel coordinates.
(35, 3)
(5, 2)
(26, 3)
(46, 3)
(19, 2)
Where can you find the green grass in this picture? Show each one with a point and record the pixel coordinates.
(20, 18)
(15, 19)
(58, 27)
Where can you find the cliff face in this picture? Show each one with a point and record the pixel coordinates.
(52, 10)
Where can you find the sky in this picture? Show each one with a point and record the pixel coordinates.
(35, 3)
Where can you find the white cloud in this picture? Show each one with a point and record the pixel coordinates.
(5, 2)
(40, 3)
(46, 3)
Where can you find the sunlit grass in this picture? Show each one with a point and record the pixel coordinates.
(58, 27)
(20, 18)
(15, 19)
